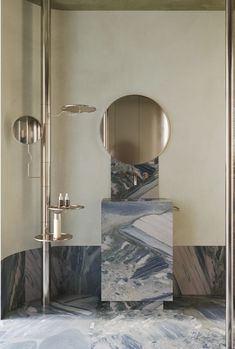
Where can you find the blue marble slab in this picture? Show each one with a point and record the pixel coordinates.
(199, 270)
(33, 275)
(134, 181)
(12, 282)
(137, 250)
(75, 270)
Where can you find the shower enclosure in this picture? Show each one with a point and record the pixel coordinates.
(81, 65)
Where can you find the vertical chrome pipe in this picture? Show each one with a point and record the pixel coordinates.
(46, 143)
(229, 174)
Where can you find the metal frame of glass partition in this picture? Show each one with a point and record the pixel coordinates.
(229, 173)
(45, 144)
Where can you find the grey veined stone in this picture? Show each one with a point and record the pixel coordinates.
(21, 345)
(71, 339)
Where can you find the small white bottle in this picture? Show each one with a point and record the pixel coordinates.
(57, 226)
(60, 201)
(66, 200)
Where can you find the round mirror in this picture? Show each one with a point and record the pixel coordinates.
(135, 129)
(27, 130)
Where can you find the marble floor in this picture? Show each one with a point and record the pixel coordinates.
(86, 323)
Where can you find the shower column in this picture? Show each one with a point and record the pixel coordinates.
(45, 144)
(229, 173)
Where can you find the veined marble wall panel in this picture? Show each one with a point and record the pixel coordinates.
(33, 275)
(12, 282)
(134, 181)
(137, 250)
(199, 270)
(76, 270)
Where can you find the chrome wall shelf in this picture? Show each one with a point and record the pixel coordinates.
(58, 210)
(50, 238)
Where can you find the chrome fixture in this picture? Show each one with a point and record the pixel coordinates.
(46, 237)
(50, 238)
(27, 130)
(78, 108)
(229, 173)
(58, 211)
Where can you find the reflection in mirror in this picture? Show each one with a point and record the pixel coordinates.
(135, 129)
(27, 130)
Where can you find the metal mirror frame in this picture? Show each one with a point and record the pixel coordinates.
(27, 130)
(104, 129)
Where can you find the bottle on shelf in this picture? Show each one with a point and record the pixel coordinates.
(67, 200)
(57, 226)
(60, 201)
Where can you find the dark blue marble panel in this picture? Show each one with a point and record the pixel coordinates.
(33, 275)
(75, 270)
(199, 270)
(12, 282)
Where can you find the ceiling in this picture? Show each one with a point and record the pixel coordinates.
(137, 5)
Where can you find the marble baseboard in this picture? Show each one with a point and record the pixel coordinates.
(137, 239)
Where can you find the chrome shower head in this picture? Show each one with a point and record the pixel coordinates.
(78, 108)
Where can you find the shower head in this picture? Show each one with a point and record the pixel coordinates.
(78, 108)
